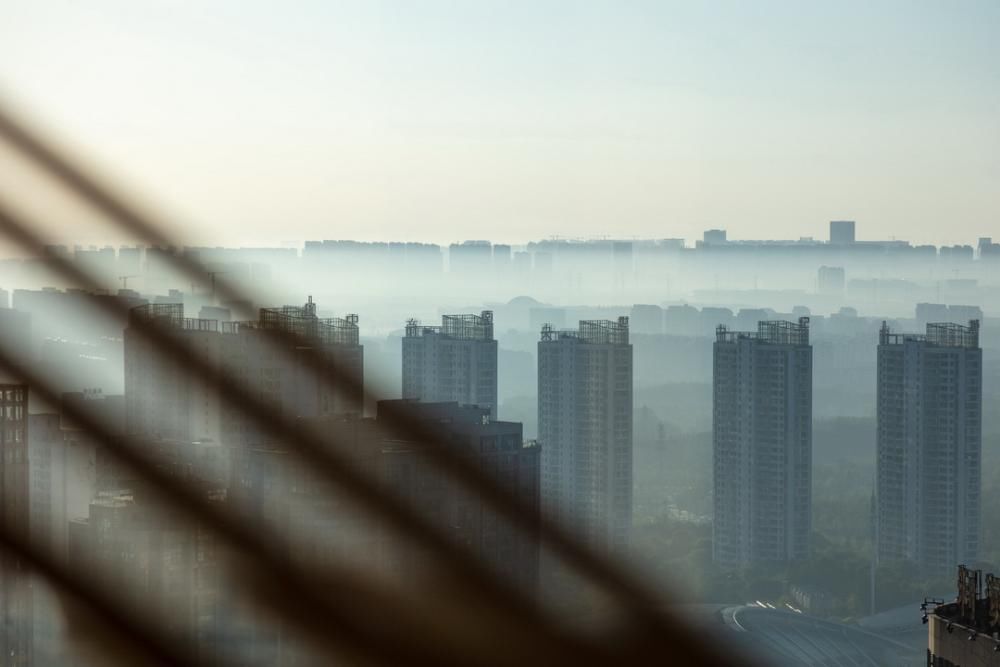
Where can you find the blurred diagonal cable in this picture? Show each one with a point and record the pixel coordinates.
(331, 621)
(615, 580)
(541, 638)
(134, 635)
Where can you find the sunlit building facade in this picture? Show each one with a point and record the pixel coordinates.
(275, 358)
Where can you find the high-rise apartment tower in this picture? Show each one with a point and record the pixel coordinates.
(585, 429)
(929, 442)
(762, 443)
(456, 361)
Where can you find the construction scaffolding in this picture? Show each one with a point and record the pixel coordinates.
(462, 327)
(169, 316)
(592, 331)
(941, 334)
(947, 334)
(771, 332)
(302, 321)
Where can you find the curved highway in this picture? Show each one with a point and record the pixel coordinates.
(784, 638)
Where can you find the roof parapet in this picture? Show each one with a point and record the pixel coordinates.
(462, 327)
(939, 334)
(771, 332)
(592, 331)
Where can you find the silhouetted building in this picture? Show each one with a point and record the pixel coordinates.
(988, 250)
(713, 236)
(522, 264)
(315, 522)
(279, 356)
(45, 440)
(501, 258)
(622, 260)
(498, 449)
(15, 330)
(275, 357)
(456, 361)
(63, 465)
(762, 443)
(956, 253)
(129, 539)
(163, 397)
(157, 560)
(585, 429)
(929, 443)
(682, 320)
(470, 258)
(841, 232)
(318, 522)
(15, 592)
(831, 279)
(962, 633)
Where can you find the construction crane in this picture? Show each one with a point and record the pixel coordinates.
(124, 280)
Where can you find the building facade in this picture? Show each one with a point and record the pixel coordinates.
(274, 357)
(456, 361)
(277, 357)
(963, 632)
(15, 592)
(63, 462)
(274, 489)
(929, 442)
(831, 280)
(842, 232)
(499, 450)
(762, 443)
(585, 429)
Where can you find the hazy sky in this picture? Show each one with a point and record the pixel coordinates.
(279, 121)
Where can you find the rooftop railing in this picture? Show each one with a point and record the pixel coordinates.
(771, 332)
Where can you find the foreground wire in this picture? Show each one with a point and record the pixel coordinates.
(539, 634)
(628, 590)
(138, 635)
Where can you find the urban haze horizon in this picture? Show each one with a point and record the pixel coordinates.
(447, 121)
(818, 235)
(514, 333)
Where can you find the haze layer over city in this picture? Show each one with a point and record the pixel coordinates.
(499, 334)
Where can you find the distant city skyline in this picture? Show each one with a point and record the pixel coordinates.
(260, 124)
(386, 329)
(714, 236)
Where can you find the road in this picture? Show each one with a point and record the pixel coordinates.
(784, 638)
